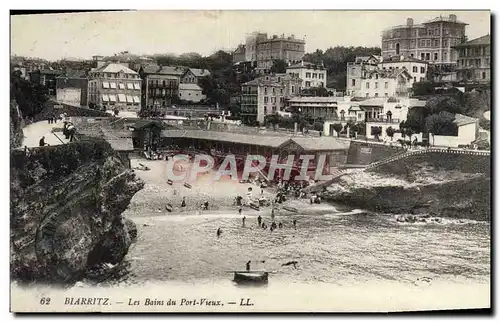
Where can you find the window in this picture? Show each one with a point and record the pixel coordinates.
(308, 75)
(435, 56)
(266, 99)
(428, 43)
(422, 70)
(421, 79)
(386, 94)
(422, 56)
(376, 85)
(315, 75)
(376, 77)
(445, 56)
(386, 85)
(265, 109)
(273, 99)
(445, 42)
(436, 43)
(281, 90)
(411, 55)
(308, 84)
(367, 95)
(427, 56)
(415, 69)
(376, 94)
(367, 85)
(265, 90)
(293, 89)
(353, 81)
(422, 43)
(484, 75)
(273, 91)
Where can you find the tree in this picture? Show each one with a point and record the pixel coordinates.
(278, 67)
(390, 132)
(376, 131)
(30, 97)
(441, 124)
(315, 91)
(443, 103)
(337, 127)
(318, 126)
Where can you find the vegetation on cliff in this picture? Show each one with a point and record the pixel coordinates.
(66, 205)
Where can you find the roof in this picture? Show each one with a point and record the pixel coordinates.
(378, 101)
(321, 143)
(271, 141)
(399, 59)
(141, 124)
(200, 72)
(314, 99)
(307, 143)
(121, 144)
(119, 140)
(389, 73)
(463, 120)
(76, 73)
(190, 87)
(272, 81)
(164, 70)
(115, 68)
(306, 65)
(481, 41)
(49, 71)
(445, 19)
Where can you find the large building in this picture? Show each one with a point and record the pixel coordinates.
(431, 40)
(267, 95)
(312, 75)
(474, 60)
(261, 51)
(160, 85)
(115, 86)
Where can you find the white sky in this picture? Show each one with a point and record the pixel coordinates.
(55, 36)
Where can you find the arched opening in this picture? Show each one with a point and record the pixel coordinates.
(397, 49)
(389, 116)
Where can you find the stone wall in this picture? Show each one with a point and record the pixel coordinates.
(361, 153)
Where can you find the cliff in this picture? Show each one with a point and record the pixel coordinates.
(16, 132)
(66, 206)
(435, 184)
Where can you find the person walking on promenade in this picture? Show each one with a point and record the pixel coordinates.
(219, 232)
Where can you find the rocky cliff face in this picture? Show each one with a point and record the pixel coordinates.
(16, 132)
(422, 189)
(66, 206)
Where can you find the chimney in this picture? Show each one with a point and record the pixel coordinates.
(409, 22)
(453, 18)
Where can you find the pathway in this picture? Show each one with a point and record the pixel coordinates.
(34, 132)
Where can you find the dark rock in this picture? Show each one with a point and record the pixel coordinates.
(66, 205)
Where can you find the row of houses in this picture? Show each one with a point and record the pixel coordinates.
(114, 85)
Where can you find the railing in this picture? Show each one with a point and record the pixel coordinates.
(382, 120)
(407, 154)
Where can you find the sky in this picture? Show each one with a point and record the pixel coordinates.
(82, 35)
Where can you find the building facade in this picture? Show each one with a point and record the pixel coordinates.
(267, 95)
(316, 107)
(47, 78)
(160, 85)
(474, 60)
(382, 83)
(416, 68)
(289, 49)
(191, 93)
(114, 86)
(312, 75)
(72, 89)
(356, 71)
(431, 41)
(193, 75)
(239, 55)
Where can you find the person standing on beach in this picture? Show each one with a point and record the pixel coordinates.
(243, 220)
(219, 232)
(240, 210)
(295, 223)
(248, 265)
(272, 213)
(183, 203)
(259, 220)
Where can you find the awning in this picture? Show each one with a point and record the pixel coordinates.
(130, 99)
(105, 85)
(130, 86)
(105, 98)
(112, 97)
(122, 98)
(137, 99)
(112, 85)
(121, 86)
(137, 86)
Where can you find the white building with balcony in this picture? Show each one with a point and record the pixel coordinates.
(386, 112)
(312, 75)
(416, 68)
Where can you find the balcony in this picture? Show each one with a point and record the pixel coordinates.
(382, 119)
(341, 119)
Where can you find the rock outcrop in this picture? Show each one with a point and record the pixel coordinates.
(66, 210)
(441, 185)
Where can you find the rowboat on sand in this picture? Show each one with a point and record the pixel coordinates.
(251, 277)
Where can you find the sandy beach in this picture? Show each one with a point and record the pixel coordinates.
(220, 194)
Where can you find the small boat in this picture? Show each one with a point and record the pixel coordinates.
(170, 182)
(251, 277)
(254, 206)
(187, 185)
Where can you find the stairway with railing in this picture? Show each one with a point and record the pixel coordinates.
(407, 154)
(336, 174)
